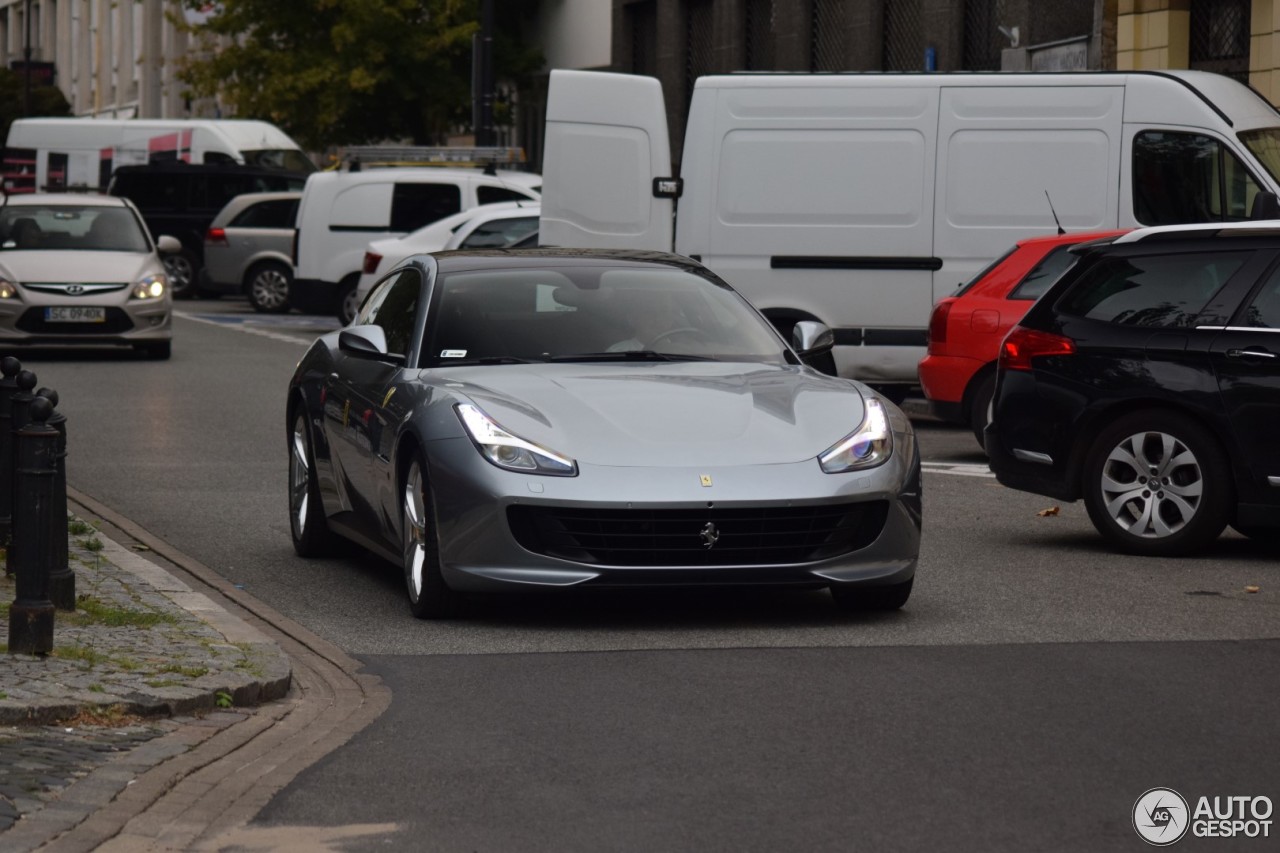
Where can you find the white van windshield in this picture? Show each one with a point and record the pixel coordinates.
(1265, 145)
(287, 159)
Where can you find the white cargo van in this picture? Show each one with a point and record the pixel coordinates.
(340, 213)
(860, 199)
(50, 154)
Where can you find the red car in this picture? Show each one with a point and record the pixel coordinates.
(959, 373)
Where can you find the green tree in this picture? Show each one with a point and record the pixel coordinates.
(339, 72)
(45, 100)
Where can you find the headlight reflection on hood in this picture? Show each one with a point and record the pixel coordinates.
(509, 451)
(866, 447)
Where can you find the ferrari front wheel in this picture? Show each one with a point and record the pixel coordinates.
(429, 596)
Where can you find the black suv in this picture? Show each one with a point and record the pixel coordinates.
(1147, 382)
(182, 199)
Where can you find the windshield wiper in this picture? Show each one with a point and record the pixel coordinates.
(630, 355)
(490, 359)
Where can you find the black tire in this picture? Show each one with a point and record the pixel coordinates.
(158, 350)
(181, 268)
(1176, 504)
(307, 526)
(267, 286)
(348, 300)
(429, 595)
(861, 598)
(980, 405)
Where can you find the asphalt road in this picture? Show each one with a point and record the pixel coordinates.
(1032, 689)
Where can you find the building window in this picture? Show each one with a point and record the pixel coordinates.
(758, 22)
(642, 23)
(903, 37)
(983, 41)
(827, 36)
(697, 44)
(1220, 37)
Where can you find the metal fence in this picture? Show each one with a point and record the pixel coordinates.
(903, 35)
(698, 43)
(1219, 37)
(758, 26)
(828, 36)
(642, 22)
(983, 40)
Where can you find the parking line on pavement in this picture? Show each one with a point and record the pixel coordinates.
(957, 468)
(244, 327)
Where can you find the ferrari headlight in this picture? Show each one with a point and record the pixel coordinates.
(510, 451)
(8, 290)
(866, 447)
(150, 287)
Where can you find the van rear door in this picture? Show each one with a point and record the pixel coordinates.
(606, 151)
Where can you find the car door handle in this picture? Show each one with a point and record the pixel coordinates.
(1249, 353)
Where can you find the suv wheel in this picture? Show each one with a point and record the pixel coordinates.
(1157, 484)
(181, 269)
(267, 286)
(348, 300)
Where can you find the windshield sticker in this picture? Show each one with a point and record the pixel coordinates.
(453, 353)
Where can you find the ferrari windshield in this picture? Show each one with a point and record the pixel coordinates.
(599, 313)
(71, 227)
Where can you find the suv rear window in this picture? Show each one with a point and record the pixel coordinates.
(277, 213)
(415, 205)
(1162, 291)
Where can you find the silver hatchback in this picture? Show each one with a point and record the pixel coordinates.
(81, 269)
(249, 249)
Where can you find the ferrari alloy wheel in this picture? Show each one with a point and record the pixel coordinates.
(311, 535)
(429, 596)
(857, 597)
(1157, 484)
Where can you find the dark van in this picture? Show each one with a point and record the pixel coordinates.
(182, 199)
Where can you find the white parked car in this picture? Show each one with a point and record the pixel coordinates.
(82, 269)
(489, 226)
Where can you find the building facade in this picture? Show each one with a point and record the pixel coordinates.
(110, 58)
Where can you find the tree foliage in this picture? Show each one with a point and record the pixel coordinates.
(338, 72)
(45, 100)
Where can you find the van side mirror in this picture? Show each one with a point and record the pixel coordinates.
(1265, 206)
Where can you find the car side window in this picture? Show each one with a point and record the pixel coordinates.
(415, 205)
(279, 213)
(1263, 311)
(1044, 274)
(1162, 291)
(393, 305)
(487, 195)
(1188, 177)
(499, 233)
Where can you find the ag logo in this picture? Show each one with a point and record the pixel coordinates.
(1160, 816)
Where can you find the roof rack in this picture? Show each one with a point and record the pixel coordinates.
(386, 156)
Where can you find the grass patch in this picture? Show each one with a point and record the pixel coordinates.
(84, 654)
(188, 671)
(113, 716)
(91, 611)
(76, 527)
(97, 688)
(164, 682)
(92, 544)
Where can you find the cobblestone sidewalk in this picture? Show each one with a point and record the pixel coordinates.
(142, 656)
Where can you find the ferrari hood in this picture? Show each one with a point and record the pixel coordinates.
(675, 414)
(77, 266)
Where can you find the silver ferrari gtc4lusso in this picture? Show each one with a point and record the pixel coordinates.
(554, 418)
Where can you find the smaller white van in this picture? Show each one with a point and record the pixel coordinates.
(61, 153)
(342, 212)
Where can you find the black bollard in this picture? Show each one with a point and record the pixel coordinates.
(9, 368)
(31, 615)
(62, 580)
(19, 403)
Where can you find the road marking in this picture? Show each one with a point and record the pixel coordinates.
(239, 324)
(959, 469)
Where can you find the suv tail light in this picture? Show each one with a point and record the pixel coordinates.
(216, 237)
(938, 326)
(1023, 344)
(371, 261)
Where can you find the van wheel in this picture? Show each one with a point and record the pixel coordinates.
(1157, 484)
(267, 286)
(980, 407)
(348, 300)
(181, 269)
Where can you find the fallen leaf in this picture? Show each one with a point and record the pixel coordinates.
(141, 548)
(1053, 510)
(1252, 588)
